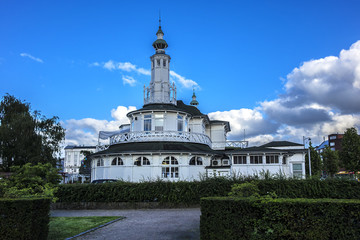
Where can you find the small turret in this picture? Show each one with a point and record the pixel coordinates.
(194, 102)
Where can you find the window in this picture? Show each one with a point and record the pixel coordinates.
(76, 158)
(196, 160)
(158, 62)
(147, 122)
(297, 170)
(332, 137)
(169, 170)
(240, 159)
(272, 159)
(284, 160)
(100, 162)
(159, 122)
(180, 123)
(117, 161)
(256, 160)
(141, 161)
(332, 144)
(164, 62)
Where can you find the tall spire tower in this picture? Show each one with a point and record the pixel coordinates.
(160, 90)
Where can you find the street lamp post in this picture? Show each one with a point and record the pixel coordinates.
(308, 139)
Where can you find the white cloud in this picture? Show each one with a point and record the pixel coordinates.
(186, 83)
(85, 131)
(31, 57)
(126, 66)
(129, 80)
(109, 65)
(250, 120)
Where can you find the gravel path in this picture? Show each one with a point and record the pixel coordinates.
(159, 224)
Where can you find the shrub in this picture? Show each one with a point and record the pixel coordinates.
(191, 192)
(24, 218)
(250, 218)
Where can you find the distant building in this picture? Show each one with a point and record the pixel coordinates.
(322, 146)
(335, 141)
(72, 162)
(170, 140)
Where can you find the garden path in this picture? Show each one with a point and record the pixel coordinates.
(143, 224)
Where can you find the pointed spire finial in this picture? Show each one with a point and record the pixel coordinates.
(159, 18)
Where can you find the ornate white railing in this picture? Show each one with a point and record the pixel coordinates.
(237, 144)
(160, 136)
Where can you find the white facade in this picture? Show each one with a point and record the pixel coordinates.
(170, 140)
(73, 158)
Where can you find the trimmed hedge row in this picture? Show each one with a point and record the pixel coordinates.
(191, 192)
(24, 218)
(298, 219)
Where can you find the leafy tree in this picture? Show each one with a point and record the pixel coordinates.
(315, 161)
(330, 161)
(26, 136)
(85, 167)
(32, 180)
(350, 152)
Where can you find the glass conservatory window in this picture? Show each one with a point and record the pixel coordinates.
(256, 159)
(170, 169)
(141, 161)
(240, 159)
(117, 161)
(196, 160)
(159, 122)
(272, 159)
(180, 123)
(147, 122)
(100, 162)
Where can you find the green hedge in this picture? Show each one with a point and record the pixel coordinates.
(191, 192)
(298, 219)
(24, 218)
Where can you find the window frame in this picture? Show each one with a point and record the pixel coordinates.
(241, 161)
(170, 168)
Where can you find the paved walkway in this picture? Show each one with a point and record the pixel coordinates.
(159, 224)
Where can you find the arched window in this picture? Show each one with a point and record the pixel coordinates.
(100, 162)
(141, 161)
(170, 169)
(117, 161)
(196, 160)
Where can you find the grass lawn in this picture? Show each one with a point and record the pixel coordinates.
(64, 227)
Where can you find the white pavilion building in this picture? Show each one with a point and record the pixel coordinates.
(170, 140)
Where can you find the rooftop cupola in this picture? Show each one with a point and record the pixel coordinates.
(160, 90)
(194, 102)
(160, 44)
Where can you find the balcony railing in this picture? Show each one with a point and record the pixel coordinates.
(237, 144)
(173, 136)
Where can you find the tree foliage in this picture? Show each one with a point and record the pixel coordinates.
(330, 161)
(85, 167)
(315, 161)
(32, 180)
(26, 136)
(350, 152)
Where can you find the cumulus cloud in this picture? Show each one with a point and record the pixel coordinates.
(129, 80)
(331, 81)
(322, 96)
(31, 57)
(250, 120)
(132, 68)
(85, 131)
(186, 83)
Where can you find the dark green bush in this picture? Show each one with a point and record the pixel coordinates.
(24, 218)
(298, 219)
(191, 192)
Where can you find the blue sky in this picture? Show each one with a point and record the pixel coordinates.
(279, 69)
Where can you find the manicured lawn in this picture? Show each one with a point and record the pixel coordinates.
(64, 227)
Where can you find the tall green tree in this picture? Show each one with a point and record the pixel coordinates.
(85, 167)
(26, 136)
(350, 152)
(330, 161)
(315, 161)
